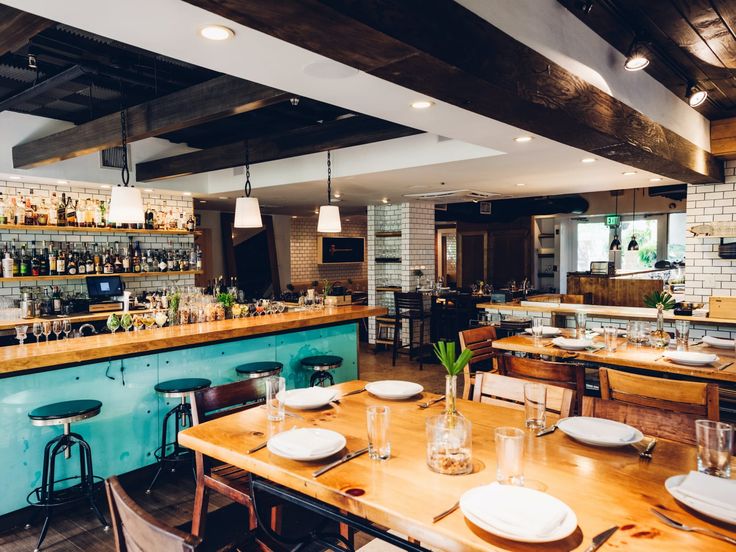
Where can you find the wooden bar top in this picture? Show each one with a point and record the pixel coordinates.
(603, 486)
(16, 359)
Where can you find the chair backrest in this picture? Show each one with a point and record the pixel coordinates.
(688, 397)
(409, 305)
(479, 340)
(561, 374)
(509, 392)
(220, 400)
(135, 530)
(676, 426)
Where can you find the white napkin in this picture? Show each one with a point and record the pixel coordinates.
(564, 343)
(517, 511)
(711, 490)
(546, 331)
(718, 341)
(298, 398)
(304, 442)
(598, 430)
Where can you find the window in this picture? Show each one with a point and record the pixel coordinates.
(676, 232)
(593, 239)
(645, 230)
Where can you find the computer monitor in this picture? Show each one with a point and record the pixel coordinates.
(103, 288)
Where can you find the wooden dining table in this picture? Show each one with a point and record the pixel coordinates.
(603, 486)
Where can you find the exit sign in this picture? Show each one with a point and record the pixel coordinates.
(613, 221)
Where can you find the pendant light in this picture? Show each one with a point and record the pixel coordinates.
(247, 209)
(633, 244)
(329, 215)
(616, 243)
(126, 202)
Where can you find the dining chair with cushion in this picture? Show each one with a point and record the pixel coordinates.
(688, 397)
(509, 392)
(562, 374)
(135, 530)
(480, 341)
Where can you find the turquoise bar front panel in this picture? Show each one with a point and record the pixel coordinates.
(128, 430)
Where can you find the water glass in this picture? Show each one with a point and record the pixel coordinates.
(535, 405)
(20, 333)
(581, 319)
(275, 389)
(610, 334)
(715, 441)
(510, 455)
(537, 328)
(682, 334)
(379, 444)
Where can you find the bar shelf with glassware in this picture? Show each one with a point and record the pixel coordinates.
(82, 276)
(93, 229)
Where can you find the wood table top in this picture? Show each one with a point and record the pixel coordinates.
(604, 487)
(16, 359)
(630, 355)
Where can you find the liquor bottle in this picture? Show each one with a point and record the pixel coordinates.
(170, 261)
(183, 261)
(35, 261)
(16, 262)
(102, 214)
(192, 258)
(42, 213)
(137, 258)
(97, 260)
(146, 263)
(53, 210)
(81, 264)
(190, 223)
(71, 213)
(117, 264)
(199, 258)
(150, 218)
(52, 260)
(61, 211)
(44, 268)
(107, 266)
(71, 263)
(162, 264)
(128, 257)
(56, 300)
(28, 212)
(7, 265)
(25, 262)
(3, 219)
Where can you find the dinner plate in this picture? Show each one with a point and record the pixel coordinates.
(599, 432)
(572, 344)
(522, 506)
(394, 389)
(308, 398)
(672, 483)
(690, 358)
(547, 331)
(718, 342)
(306, 444)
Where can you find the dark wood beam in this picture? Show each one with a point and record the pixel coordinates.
(18, 27)
(214, 99)
(441, 49)
(342, 133)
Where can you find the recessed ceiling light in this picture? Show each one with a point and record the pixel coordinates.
(336, 195)
(203, 201)
(216, 32)
(695, 95)
(147, 190)
(316, 211)
(520, 184)
(628, 173)
(222, 197)
(521, 139)
(636, 58)
(347, 220)
(62, 182)
(422, 104)
(656, 179)
(186, 193)
(588, 160)
(105, 186)
(15, 178)
(384, 200)
(294, 216)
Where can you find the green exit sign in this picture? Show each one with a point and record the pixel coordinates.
(613, 220)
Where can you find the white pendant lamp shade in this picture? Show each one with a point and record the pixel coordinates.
(329, 219)
(126, 206)
(247, 213)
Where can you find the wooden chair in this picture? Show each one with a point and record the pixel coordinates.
(561, 374)
(232, 482)
(688, 397)
(479, 340)
(509, 392)
(135, 530)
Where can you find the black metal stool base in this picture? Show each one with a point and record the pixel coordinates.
(322, 378)
(182, 418)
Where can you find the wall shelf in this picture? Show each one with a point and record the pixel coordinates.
(83, 276)
(389, 234)
(93, 230)
(388, 260)
(388, 289)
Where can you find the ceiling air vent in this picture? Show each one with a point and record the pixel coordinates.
(440, 206)
(112, 158)
(454, 196)
(485, 208)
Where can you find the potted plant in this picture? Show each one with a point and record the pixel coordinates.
(661, 300)
(445, 351)
(226, 300)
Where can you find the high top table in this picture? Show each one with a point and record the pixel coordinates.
(604, 487)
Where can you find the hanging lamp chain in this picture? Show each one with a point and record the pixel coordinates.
(125, 172)
(247, 170)
(329, 178)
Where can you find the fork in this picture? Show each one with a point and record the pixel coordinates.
(431, 402)
(647, 452)
(702, 530)
(446, 513)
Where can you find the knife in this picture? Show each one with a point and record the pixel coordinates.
(546, 430)
(342, 460)
(353, 392)
(601, 538)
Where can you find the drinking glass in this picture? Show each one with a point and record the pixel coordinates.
(535, 405)
(581, 319)
(610, 334)
(46, 325)
(66, 326)
(449, 444)
(161, 318)
(379, 445)
(537, 328)
(37, 330)
(56, 328)
(682, 334)
(715, 440)
(113, 323)
(20, 333)
(510, 455)
(275, 389)
(126, 321)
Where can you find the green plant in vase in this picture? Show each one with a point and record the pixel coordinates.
(445, 351)
(661, 300)
(656, 298)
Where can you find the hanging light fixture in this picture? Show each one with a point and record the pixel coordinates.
(633, 244)
(126, 202)
(329, 215)
(636, 57)
(616, 243)
(247, 209)
(695, 95)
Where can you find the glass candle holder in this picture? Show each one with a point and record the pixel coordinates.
(449, 446)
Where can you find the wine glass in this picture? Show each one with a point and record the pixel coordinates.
(37, 330)
(66, 327)
(126, 322)
(46, 329)
(56, 328)
(20, 333)
(113, 323)
(161, 318)
(149, 320)
(137, 322)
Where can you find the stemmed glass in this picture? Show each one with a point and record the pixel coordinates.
(126, 322)
(56, 327)
(20, 333)
(149, 320)
(161, 318)
(66, 327)
(113, 323)
(46, 329)
(37, 330)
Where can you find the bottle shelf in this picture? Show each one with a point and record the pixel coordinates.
(389, 234)
(83, 276)
(388, 260)
(93, 230)
(388, 289)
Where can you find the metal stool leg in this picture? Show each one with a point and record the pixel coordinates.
(163, 448)
(47, 491)
(86, 452)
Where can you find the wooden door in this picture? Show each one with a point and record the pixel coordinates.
(510, 256)
(472, 257)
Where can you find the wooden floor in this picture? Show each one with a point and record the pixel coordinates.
(78, 530)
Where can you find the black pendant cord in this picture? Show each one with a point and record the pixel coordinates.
(633, 218)
(329, 178)
(247, 171)
(125, 172)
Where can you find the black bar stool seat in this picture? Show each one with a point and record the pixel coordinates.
(260, 369)
(180, 388)
(48, 496)
(321, 365)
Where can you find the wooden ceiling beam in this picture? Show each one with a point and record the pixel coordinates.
(18, 27)
(342, 133)
(214, 99)
(723, 138)
(443, 50)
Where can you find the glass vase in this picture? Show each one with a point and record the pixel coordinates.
(451, 396)
(659, 338)
(449, 444)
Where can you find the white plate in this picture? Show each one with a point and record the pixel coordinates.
(718, 342)
(394, 389)
(599, 431)
(306, 444)
(547, 331)
(572, 344)
(690, 358)
(309, 397)
(488, 494)
(704, 508)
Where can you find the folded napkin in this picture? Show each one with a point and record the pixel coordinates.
(565, 342)
(304, 442)
(596, 347)
(517, 511)
(599, 430)
(711, 490)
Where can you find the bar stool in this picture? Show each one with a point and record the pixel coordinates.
(46, 496)
(321, 365)
(182, 413)
(253, 370)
